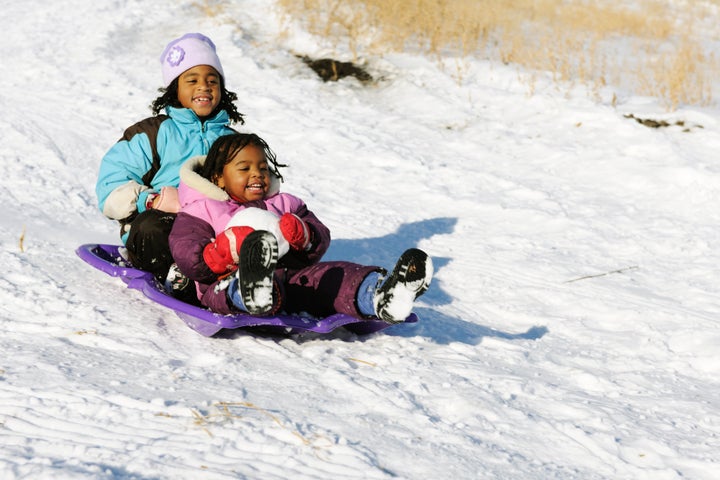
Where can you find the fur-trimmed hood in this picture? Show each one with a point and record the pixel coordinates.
(205, 187)
(203, 199)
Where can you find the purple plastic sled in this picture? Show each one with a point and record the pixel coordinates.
(107, 258)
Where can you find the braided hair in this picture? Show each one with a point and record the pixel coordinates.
(224, 149)
(169, 97)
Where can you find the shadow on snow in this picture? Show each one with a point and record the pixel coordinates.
(441, 328)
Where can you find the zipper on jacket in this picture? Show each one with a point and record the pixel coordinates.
(203, 131)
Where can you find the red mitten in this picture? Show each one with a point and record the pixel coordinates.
(168, 200)
(295, 231)
(222, 254)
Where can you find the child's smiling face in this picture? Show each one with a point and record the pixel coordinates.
(199, 90)
(247, 176)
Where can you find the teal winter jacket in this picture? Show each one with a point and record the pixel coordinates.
(148, 157)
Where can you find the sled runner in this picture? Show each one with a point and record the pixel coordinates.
(107, 258)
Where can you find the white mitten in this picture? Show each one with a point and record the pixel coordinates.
(168, 200)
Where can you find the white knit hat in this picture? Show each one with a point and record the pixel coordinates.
(186, 52)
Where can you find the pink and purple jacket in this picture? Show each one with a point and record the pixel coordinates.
(308, 285)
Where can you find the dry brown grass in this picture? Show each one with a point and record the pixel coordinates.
(210, 8)
(21, 242)
(650, 49)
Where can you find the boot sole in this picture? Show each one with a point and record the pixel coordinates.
(258, 258)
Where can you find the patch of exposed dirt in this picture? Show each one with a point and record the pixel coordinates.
(650, 123)
(332, 70)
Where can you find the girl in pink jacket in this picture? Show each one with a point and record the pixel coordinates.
(251, 248)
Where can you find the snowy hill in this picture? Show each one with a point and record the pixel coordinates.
(572, 330)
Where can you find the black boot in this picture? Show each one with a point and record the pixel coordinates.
(258, 258)
(409, 279)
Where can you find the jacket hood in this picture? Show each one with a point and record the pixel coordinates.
(204, 187)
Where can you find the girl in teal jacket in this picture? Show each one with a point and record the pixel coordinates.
(138, 177)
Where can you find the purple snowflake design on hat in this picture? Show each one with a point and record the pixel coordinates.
(175, 56)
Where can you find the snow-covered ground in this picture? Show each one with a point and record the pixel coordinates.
(572, 330)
